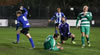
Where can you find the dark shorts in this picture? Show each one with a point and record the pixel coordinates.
(65, 37)
(24, 30)
(57, 24)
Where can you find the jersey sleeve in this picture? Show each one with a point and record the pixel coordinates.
(89, 16)
(18, 24)
(77, 21)
(68, 28)
(52, 18)
(26, 12)
(52, 43)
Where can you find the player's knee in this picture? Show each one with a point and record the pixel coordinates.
(83, 34)
(56, 27)
(87, 36)
(18, 32)
(28, 35)
(72, 35)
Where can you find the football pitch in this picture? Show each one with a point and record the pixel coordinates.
(8, 35)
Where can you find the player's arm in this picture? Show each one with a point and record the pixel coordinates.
(17, 25)
(77, 21)
(89, 17)
(52, 44)
(26, 11)
(52, 18)
(54, 48)
(68, 28)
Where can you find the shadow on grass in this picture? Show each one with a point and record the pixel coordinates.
(42, 51)
(10, 45)
(73, 45)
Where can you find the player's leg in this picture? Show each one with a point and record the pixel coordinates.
(87, 32)
(27, 34)
(62, 39)
(73, 38)
(18, 37)
(83, 35)
(30, 39)
(56, 28)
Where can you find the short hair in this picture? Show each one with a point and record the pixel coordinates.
(58, 8)
(56, 35)
(18, 12)
(85, 6)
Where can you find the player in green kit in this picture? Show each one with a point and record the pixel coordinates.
(51, 44)
(85, 18)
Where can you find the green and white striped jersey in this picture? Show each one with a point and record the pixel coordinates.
(50, 42)
(85, 20)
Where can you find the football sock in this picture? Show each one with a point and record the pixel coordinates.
(56, 31)
(88, 40)
(82, 39)
(31, 41)
(73, 38)
(18, 37)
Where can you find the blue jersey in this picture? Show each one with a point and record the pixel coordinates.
(64, 29)
(58, 17)
(23, 20)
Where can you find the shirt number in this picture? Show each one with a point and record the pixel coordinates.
(25, 19)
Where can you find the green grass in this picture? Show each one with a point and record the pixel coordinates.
(8, 35)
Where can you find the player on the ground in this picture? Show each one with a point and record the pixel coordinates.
(85, 18)
(51, 44)
(58, 15)
(22, 18)
(65, 32)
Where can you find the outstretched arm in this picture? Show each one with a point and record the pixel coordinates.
(53, 17)
(26, 12)
(22, 8)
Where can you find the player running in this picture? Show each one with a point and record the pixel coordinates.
(22, 18)
(51, 44)
(58, 15)
(85, 18)
(65, 32)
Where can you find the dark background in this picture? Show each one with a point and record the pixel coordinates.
(44, 9)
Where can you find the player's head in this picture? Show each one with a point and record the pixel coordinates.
(85, 8)
(55, 36)
(58, 9)
(18, 13)
(63, 19)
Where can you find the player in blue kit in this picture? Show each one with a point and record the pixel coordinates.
(65, 32)
(58, 15)
(22, 18)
